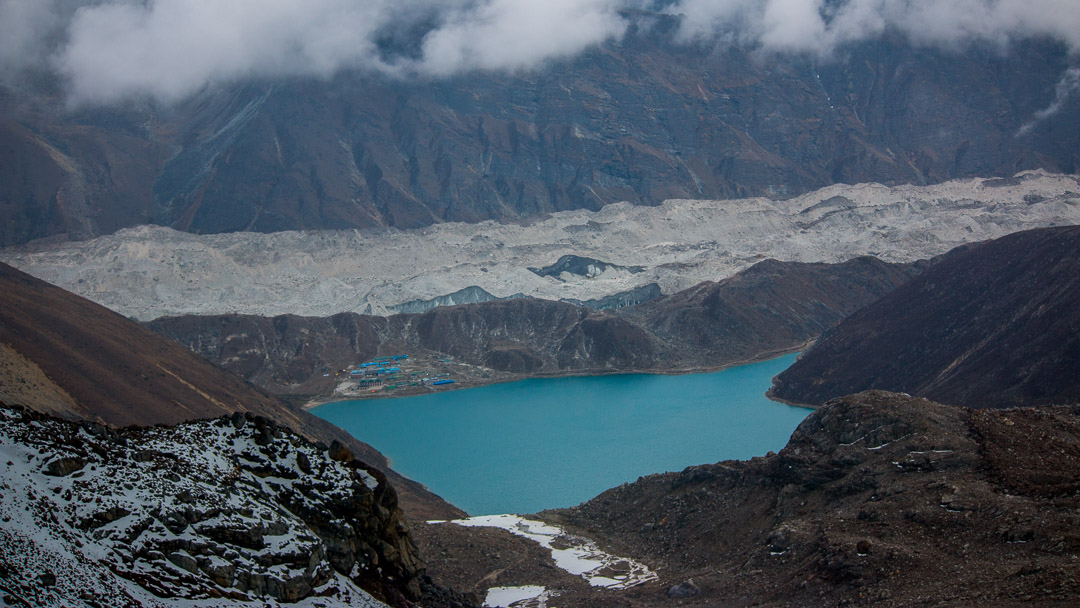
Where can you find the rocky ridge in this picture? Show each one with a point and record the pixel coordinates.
(878, 498)
(235, 509)
(770, 308)
(995, 324)
(151, 272)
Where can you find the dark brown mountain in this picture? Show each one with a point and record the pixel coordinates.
(65, 355)
(640, 120)
(770, 308)
(878, 498)
(993, 325)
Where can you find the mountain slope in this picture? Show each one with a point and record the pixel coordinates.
(235, 509)
(117, 372)
(103, 367)
(770, 308)
(878, 498)
(642, 120)
(772, 304)
(993, 325)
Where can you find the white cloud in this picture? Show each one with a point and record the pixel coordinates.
(109, 50)
(819, 27)
(1068, 86)
(516, 34)
(25, 26)
(792, 25)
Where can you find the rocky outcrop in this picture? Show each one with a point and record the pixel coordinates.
(237, 507)
(642, 119)
(993, 325)
(582, 267)
(877, 498)
(770, 308)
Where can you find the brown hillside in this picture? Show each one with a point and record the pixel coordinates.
(992, 325)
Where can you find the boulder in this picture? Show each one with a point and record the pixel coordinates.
(686, 588)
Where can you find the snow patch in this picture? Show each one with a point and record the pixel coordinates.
(511, 597)
(574, 554)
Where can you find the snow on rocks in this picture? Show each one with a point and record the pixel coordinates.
(574, 554)
(531, 596)
(201, 514)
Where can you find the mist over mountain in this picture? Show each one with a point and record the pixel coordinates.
(107, 51)
(336, 114)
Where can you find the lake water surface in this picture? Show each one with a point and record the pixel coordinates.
(522, 447)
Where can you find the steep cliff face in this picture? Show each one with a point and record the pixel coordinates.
(770, 308)
(992, 325)
(235, 509)
(878, 498)
(640, 120)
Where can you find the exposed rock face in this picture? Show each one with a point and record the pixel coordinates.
(581, 266)
(643, 120)
(209, 509)
(772, 307)
(103, 367)
(993, 325)
(878, 497)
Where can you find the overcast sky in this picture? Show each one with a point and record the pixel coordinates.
(110, 50)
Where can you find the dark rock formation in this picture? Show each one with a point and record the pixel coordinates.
(642, 119)
(686, 588)
(878, 498)
(770, 307)
(605, 341)
(991, 325)
(581, 266)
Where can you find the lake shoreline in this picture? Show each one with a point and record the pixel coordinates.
(554, 440)
(510, 377)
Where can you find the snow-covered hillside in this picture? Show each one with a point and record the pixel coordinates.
(202, 514)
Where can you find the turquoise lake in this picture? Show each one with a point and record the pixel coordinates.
(525, 446)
